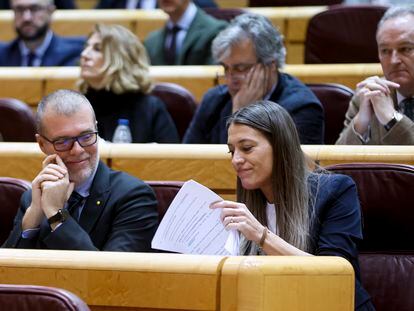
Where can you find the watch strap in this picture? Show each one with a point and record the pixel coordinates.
(60, 216)
(395, 118)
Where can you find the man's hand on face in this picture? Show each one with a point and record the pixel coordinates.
(55, 193)
(374, 97)
(254, 86)
(51, 172)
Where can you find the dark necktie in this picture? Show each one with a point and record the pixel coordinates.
(30, 59)
(407, 106)
(170, 49)
(74, 203)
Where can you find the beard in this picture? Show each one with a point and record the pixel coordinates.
(39, 33)
(81, 176)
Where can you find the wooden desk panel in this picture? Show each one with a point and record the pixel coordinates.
(207, 164)
(120, 281)
(288, 282)
(292, 22)
(90, 4)
(30, 84)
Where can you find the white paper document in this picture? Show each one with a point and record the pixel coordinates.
(189, 226)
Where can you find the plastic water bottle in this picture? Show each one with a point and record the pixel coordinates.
(122, 134)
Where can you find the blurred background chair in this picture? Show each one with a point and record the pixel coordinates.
(343, 34)
(180, 103)
(260, 3)
(39, 298)
(11, 189)
(17, 121)
(387, 251)
(335, 99)
(165, 191)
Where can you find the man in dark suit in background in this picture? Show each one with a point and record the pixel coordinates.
(36, 44)
(60, 4)
(251, 52)
(145, 4)
(76, 201)
(187, 36)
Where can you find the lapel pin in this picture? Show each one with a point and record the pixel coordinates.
(98, 202)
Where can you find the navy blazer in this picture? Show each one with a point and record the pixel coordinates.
(121, 4)
(208, 125)
(62, 51)
(60, 4)
(337, 229)
(149, 120)
(119, 215)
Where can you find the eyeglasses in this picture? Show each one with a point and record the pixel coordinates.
(237, 69)
(33, 9)
(65, 144)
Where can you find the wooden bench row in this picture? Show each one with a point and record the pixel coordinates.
(207, 164)
(144, 281)
(31, 84)
(90, 4)
(292, 22)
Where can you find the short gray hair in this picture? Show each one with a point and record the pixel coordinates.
(266, 39)
(394, 12)
(61, 102)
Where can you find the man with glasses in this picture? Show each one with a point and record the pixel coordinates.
(251, 52)
(76, 201)
(36, 44)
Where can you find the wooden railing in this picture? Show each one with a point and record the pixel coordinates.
(31, 84)
(291, 21)
(207, 164)
(144, 281)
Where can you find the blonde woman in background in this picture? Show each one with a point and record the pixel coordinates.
(115, 79)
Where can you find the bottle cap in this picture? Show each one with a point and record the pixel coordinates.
(123, 122)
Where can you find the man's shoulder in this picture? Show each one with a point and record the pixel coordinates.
(9, 47)
(215, 96)
(294, 92)
(69, 42)
(153, 36)
(204, 19)
(120, 178)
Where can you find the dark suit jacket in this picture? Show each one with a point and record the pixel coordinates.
(119, 215)
(62, 51)
(120, 4)
(209, 123)
(60, 4)
(149, 120)
(196, 49)
(337, 229)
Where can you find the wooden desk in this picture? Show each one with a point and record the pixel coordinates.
(144, 281)
(275, 283)
(207, 164)
(90, 4)
(31, 84)
(291, 21)
(120, 281)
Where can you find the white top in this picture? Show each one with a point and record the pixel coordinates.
(271, 217)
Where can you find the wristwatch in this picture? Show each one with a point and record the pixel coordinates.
(395, 118)
(60, 216)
